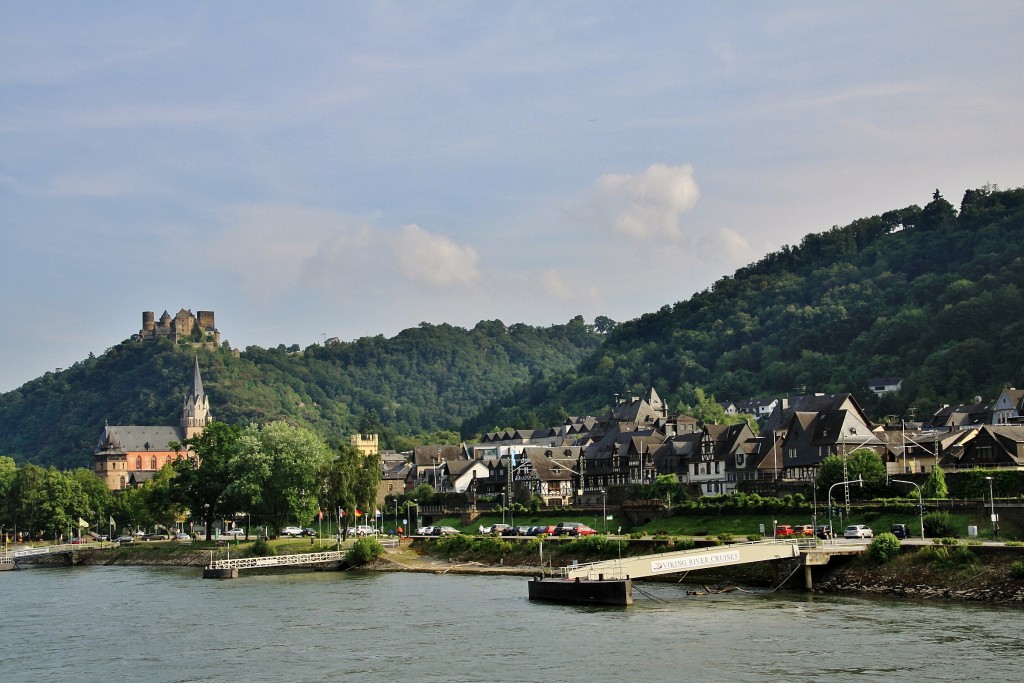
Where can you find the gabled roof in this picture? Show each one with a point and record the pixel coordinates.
(132, 439)
(963, 415)
(428, 456)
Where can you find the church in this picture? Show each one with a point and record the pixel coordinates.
(126, 456)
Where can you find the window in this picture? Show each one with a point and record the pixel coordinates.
(138, 462)
(740, 459)
(152, 463)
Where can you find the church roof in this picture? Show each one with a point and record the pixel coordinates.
(133, 439)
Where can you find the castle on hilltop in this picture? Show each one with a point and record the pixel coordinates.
(185, 326)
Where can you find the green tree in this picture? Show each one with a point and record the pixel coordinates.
(862, 463)
(935, 485)
(203, 481)
(162, 499)
(279, 472)
(47, 503)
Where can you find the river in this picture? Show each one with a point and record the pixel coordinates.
(156, 625)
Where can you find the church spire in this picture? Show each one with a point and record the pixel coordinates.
(195, 414)
(197, 380)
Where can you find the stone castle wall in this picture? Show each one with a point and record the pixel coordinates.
(180, 327)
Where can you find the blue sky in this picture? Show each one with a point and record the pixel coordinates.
(347, 169)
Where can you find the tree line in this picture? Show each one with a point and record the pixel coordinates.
(273, 474)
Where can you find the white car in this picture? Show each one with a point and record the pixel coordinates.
(292, 531)
(235, 532)
(425, 531)
(858, 531)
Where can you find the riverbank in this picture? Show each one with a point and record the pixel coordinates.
(979, 573)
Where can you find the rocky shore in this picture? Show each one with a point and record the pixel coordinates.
(961, 574)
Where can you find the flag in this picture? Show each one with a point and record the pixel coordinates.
(342, 513)
(359, 513)
(112, 522)
(377, 513)
(320, 515)
(82, 523)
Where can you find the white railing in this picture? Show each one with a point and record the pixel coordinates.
(52, 549)
(277, 560)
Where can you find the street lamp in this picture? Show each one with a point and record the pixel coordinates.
(920, 502)
(604, 509)
(992, 500)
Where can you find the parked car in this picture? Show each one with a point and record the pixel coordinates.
(291, 531)
(494, 529)
(573, 529)
(182, 536)
(858, 531)
(124, 539)
(824, 532)
(235, 532)
(309, 531)
(548, 529)
(444, 531)
(783, 531)
(425, 531)
(899, 531)
(362, 530)
(522, 530)
(805, 530)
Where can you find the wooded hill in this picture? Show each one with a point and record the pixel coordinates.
(932, 295)
(424, 379)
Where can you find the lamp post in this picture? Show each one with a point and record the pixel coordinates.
(604, 509)
(992, 501)
(920, 502)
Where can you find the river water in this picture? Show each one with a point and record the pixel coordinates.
(154, 625)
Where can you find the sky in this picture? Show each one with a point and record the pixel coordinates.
(312, 169)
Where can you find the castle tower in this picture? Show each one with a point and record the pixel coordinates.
(195, 414)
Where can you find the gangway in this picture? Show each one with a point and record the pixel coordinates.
(51, 550)
(671, 562)
(610, 582)
(228, 568)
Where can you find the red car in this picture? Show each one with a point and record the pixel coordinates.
(783, 531)
(573, 529)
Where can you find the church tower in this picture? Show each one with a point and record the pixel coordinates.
(196, 413)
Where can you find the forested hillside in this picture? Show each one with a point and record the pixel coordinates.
(424, 379)
(932, 295)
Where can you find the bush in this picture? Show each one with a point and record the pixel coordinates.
(363, 551)
(262, 549)
(1017, 570)
(938, 524)
(884, 547)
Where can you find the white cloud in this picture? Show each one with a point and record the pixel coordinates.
(730, 244)
(651, 204)
(434, 260)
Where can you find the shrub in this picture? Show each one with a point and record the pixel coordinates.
(939, 524)
(1017, 570)
(364, 550)
(262, 549)
(947, 558)
(884, 547)
(725, 538)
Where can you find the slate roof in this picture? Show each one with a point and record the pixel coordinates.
(132, 439)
